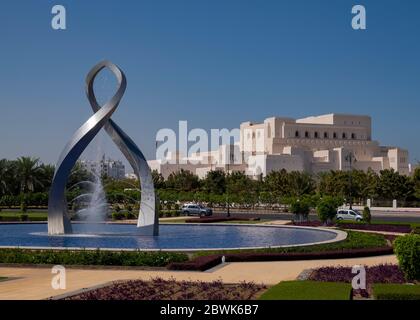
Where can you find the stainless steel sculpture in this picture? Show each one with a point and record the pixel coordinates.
(58, 219)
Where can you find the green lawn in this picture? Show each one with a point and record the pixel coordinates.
(396, 292)
(354, 240)
(412, 224)
(15, 215)
(308, 290)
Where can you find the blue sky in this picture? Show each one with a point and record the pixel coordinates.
(214, 63)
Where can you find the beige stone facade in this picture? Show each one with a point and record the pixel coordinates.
(312, 144)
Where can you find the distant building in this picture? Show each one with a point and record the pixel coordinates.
(313, 144)
(105, 167)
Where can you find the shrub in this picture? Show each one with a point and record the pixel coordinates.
(129, 215)
(300, 208)
(327, 209)
(367, 217)
(23, 207)
(91, 257)
(117, 216)
(416, 230)
(24, 217)
(407, 249)
(198, 264)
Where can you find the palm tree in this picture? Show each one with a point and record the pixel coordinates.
(5, 168)
(29, 173)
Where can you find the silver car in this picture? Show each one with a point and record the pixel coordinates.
(196, 209)
(349, 214)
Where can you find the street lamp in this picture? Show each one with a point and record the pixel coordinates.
(350, 158)
(227, 192)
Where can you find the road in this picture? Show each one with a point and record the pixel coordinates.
(406, 217)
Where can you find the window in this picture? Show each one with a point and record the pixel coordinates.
(335, 135)
(297, 134)
(306, 134)
(344, 135)
(326, 135)
(316, 135)
(353, 136)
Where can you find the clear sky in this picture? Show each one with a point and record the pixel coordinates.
(214, 63)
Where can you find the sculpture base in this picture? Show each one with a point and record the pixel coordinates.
(150, 230)
(59, 225)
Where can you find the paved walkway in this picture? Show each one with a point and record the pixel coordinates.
(35, 283)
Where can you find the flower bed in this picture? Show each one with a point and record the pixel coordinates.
(377, 274)
(159, 289)
(389, 274)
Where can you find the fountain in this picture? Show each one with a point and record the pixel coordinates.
(58, 218)
(60, 233)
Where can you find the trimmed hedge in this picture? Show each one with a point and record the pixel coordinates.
(90, 257)
(407, 249)
(198, 264)
(203, 263)
(398, 228)
(214, 219)
(22, 217)
(396, 292)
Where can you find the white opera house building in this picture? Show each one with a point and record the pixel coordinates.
(313, 144)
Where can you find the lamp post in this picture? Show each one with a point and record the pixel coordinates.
(350, 158)
(227, 192)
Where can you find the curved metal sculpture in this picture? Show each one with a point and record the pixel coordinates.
(58, 219)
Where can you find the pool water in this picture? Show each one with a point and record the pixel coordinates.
(171, 236)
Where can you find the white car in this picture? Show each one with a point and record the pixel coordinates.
(196, 209)
(349, 214)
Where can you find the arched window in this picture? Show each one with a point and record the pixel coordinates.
(353, 136)
(297, 134)
(306, 134)
(326, 135)
(335, 135)
(344, 135)
(316, 135)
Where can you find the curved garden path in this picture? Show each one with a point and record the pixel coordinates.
(35, 283)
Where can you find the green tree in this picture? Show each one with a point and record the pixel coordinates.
(78, 174)
(416, 182)
(277, 182)
(392, 185)
(158, 180)
(215, 182)
(29, 173)
(183, 180)
(300, 183)
(327, 208)
(6, 177)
